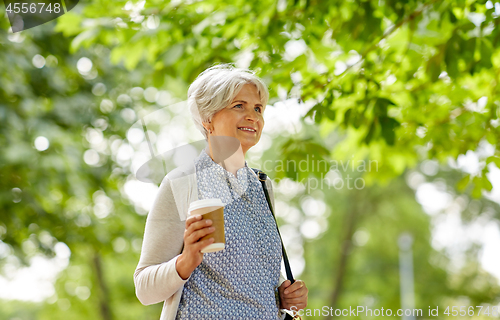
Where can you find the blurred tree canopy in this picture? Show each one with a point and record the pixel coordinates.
(400, 78)
(397, 82)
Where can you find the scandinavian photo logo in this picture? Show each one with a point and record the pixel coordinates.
(26, 14)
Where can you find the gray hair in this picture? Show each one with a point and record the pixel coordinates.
(215, 88)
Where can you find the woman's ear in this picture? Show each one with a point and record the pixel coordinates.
(208, 126)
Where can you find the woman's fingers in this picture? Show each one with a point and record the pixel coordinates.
(295, 295)
(192, 219)
(298, 302)
(195, 236)
(192, 234)
(196, 228)
(295, 300)
(202, 244)
(295, 286)
(298, 293)
(297, 289)
(198, 225)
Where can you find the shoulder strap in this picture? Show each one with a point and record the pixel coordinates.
(262, 177)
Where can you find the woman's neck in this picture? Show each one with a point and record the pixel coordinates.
(226, 157)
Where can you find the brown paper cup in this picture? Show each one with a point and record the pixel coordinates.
(212, 209)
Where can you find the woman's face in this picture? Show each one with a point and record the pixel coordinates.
(243, 118)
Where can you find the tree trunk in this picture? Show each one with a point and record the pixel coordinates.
(346, 246)
(104, 293)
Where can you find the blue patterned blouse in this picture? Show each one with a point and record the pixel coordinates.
(241, 281)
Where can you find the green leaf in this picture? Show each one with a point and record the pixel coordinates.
(462, 184)
(371, 132)
(486, 183)
(85, 37)
(486, 53)
(434, 67)
(468, 48)
(493, 159)
(329, 113)
(388, 129)
(133, 57)
(318, 116)
(69, 24)
(231, 30)
(316, 112)
(477, 190)
(450, 58)
(311, 112)
(381, 106)
(347, 116)
(357, 119)
(468, 26)
(453, 19)
(116, 54)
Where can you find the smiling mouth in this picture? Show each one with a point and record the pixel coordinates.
(247, 130)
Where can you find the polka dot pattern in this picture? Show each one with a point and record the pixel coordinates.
(241, 281)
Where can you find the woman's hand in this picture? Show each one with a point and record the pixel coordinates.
(293, 296)
(191, 256)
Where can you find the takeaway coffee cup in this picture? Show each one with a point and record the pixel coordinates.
(212, 209)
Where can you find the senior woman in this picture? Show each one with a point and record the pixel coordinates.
(244, 280)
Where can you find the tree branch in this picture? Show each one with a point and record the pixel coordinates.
(387, 33)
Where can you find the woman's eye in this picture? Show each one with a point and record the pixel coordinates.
(259, 109)
(238, 105)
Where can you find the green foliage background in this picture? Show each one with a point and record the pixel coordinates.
(396, 82)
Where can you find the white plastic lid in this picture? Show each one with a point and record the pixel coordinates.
(205, 203)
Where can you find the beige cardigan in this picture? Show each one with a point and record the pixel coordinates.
(156, 278)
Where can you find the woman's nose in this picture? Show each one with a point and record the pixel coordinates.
(250, 115)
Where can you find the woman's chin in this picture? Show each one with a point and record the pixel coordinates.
(248, 142)
(245, 145)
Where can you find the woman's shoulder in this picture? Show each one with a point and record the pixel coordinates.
(269, 184)
(181, 171)
(180, 187)
(262, 175)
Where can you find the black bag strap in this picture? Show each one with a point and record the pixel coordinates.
(262, 177)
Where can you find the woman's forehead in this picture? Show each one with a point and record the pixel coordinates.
(249, 91)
